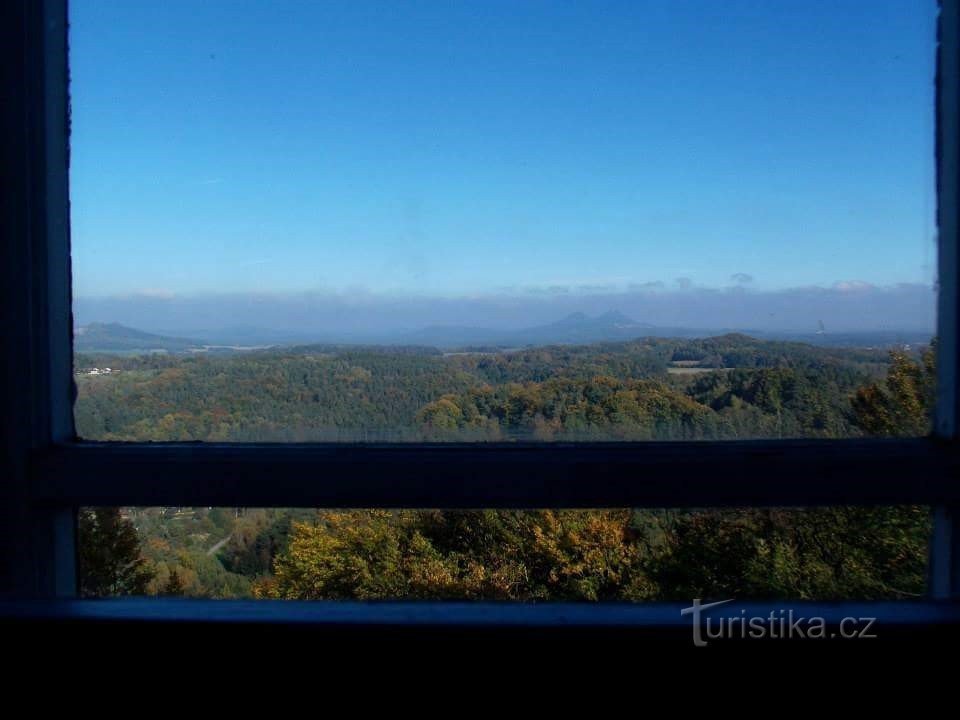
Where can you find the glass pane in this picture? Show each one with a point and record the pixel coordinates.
(531, 555)
(492, 221)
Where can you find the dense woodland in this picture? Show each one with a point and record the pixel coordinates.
(739, 388)
(728, 387)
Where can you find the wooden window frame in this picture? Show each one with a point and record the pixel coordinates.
(49, 473)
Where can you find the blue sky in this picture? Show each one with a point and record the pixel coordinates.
(452, 149)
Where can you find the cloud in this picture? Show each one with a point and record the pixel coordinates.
(646, 286)
(741, 278)
(156, 293)
(596, 287)
(853, 286)
(684, 283)
(537, 290)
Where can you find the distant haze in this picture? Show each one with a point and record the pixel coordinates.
(361, 316)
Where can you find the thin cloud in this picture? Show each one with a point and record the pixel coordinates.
(646, 286)
(155, 293)
(853, 286)
(596, 288)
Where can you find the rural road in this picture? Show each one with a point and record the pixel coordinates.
(217, 546)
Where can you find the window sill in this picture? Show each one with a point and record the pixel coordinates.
(345, 614)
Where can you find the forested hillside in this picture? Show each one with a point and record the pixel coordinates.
(730, 387)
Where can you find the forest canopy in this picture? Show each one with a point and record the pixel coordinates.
(730, 387)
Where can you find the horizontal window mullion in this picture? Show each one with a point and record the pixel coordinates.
(708, 474)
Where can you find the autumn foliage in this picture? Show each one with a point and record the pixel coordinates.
(607, 392)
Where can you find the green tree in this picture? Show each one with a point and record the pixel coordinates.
(814, 553)
(902, 405)
(109, 555)
(174, 586)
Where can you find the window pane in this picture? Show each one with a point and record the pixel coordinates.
(531, 555)
(491, 221)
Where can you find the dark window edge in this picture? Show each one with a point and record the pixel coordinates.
(887, 614)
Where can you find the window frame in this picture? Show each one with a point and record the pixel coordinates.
(49, 473)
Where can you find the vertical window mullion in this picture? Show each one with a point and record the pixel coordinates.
(54, 526)
(945, 544)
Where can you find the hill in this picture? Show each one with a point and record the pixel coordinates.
(574, 329)
(114, 337)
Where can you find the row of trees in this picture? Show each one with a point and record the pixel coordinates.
(565, 555)
(595, 555)
(354, 394)
(824, 553)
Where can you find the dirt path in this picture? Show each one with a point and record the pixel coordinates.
(217, 546)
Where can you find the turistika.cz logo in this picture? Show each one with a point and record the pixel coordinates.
(778, 624)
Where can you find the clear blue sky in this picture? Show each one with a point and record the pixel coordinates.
(449, 148)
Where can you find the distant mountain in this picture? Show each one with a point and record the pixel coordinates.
(113, 337)
(575, 328)
(581, 328)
